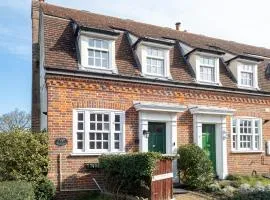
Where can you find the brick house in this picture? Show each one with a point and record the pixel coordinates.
(110, 85)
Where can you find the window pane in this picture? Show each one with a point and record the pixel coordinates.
(99, 117)
(98, 43)
(97, 62)
(106, 118)
(92, 117)
(116, 145)
(117, 118)
(79, 136)
(116, 136)
(106, 126)
(105, 136)
(80, 116)
(105, 145)
(91, 53)
(92, 126)
(98, 136)
(92, 145)
(92, 136)
(105, 44)
(79, 145)
(91, 61)
(98, 145)
(117, 127)
(91, 43)
(80, 125)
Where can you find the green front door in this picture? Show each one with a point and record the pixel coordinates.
(157, 137)
(209, 142)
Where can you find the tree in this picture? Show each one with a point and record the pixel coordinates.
(15, 120)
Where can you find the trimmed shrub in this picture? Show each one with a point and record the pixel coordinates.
(23, 156)
(129, 173)
(195, 168)
(16, 190)
(255, 195)
(44, 189)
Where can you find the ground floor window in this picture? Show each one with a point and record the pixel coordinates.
(246, 134)
(98, 131)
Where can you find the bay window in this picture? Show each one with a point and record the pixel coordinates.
(98, 131)
(246, 134)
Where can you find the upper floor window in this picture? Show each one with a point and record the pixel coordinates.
(247, 75)
(207, 69)
(97, 53)
(98, 131)
(246, 134)
(155, 61)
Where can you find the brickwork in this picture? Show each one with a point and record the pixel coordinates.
(66, 94)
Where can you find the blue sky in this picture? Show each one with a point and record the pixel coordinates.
(244, 21)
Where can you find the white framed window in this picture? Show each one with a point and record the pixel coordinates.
(246, 134)
(208, 69)
(98, 131)
(97, 52)
(155, 61)
(247, 75)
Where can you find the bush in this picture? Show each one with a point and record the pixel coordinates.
(16, 190)
(130, 173)
(255, 195)
(44, 189)
(23, 156)
(195, 168)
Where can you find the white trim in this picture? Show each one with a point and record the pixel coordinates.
(211, 110)
(156, 106)
(162, 176)
(245, 152)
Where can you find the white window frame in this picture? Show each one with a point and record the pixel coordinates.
(237, 148)
(253, 71)
(86, 149)
(84, 38)
(142, 55)
(216, 68)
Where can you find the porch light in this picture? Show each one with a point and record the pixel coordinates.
(146, 133)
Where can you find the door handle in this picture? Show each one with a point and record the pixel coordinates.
(154, 145)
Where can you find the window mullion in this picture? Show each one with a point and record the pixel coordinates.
(111, 138)
(86, 131)
(237, 134)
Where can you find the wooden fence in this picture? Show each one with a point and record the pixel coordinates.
(162, 182)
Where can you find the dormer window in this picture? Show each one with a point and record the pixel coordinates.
(247, 75)
(155, 61)
(97, 52)
(207, 69)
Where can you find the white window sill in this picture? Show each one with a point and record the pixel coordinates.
(248, 87)
(96, 154)
(111, 70)
(209, 83)
(157, 77)
(246, 151)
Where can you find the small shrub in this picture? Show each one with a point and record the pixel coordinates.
(44, 189)
(214, 187)
(16, 190)
(255, 195)
(228, 190)
(245, 188)
(23, 156)
(195, 168)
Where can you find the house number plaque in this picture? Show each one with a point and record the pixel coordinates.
(61, 141)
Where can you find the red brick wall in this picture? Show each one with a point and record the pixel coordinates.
(66, 94)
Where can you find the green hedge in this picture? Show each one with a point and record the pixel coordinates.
(129, 173)
(16, 190)
(44, 189)
(195, 168)
(23, 156)
(256, 195)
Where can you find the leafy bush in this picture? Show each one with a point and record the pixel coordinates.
(255, 195)
(129, 172)
(23, 156)
(44, 189)
(195, 168)
(16, 190)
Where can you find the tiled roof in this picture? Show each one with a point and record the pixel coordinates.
(60, 51)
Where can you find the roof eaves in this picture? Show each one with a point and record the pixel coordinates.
(206, 51)
(245, 57)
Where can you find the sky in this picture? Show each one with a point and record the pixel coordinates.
(245, 21)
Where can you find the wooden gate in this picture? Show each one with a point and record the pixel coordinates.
(162, 183)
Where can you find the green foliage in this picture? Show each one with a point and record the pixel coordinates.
(129, 172)
(195, 168)
(255, 195)
(44, 189)
(94, 196)
(16, 190)
(251, 180)
(23, 156)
